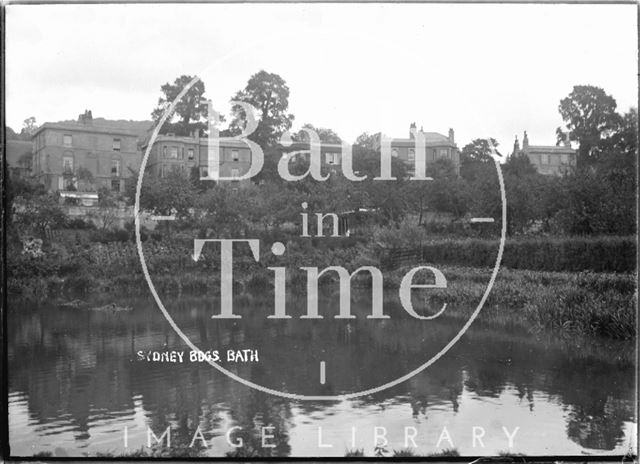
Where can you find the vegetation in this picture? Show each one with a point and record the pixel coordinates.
(537, 253)
(562, 230)
(190, 111)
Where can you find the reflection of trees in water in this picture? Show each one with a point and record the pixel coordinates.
(590, 384)
(252, 410)
(603, 431)
(73, 364)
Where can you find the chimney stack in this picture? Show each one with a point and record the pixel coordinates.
(451, 136)
(516, 146)
(412, 130)
(525, 141)
(86, 117)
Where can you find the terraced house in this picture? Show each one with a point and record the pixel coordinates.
(81, 155)
(170, 153)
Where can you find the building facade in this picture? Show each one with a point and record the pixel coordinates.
(186, 154)
(72, 156)
(437, 146)
(170, 153)
(548, 160)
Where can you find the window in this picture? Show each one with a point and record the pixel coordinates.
(115, 185)
(163, 170)
(203, 172)
(394, 153)
(115, 168)
(67, 163)
(174, 153)
(235, 156)
(67, 140)
(564, 159)
(331, 158)
(544, 159)
(190, 154)
(164, 151)
(444, 153)
(116, 144)
(235, 173)
(412, 154)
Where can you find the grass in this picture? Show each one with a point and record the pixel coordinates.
(580, 303)
(589, 303)
(447, 452)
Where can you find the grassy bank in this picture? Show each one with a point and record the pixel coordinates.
(602, 304)
(578, 301)
(561, 254)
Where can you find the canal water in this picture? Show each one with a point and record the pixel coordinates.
(80, 383)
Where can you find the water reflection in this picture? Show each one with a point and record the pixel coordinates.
(75, 384)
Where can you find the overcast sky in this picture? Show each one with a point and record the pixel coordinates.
(484, 70)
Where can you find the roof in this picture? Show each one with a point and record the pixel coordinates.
(430, 138)
(89, 127)
(550, 149)
(323, 146)
(203, 141)
(16, 149)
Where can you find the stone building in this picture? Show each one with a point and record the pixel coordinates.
(177, 153)
(186, 154)
(438, 146)
(81, 155)
(548, 160)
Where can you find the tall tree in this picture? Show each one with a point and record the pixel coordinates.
(625, 140)
(590, 119)
(29, 127)
(366, 141)
(475, 158)
(190, 111)
(269, 94)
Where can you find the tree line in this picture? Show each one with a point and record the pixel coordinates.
(597, 198)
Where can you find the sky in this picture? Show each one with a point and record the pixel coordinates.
(483, 70)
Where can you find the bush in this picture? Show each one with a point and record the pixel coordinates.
(78, 223)
(107, 236)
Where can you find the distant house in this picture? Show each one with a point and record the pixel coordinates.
(548, 160)
(18, 157)
(83, 155)
(438, 146)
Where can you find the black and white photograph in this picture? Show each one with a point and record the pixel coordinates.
(329, 231)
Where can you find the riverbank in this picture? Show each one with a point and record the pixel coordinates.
(599, 304)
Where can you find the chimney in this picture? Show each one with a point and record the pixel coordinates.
(516, 146)
(525, 141)
(412, 129)
(86, 117)
(567, 142)
(451, 137)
